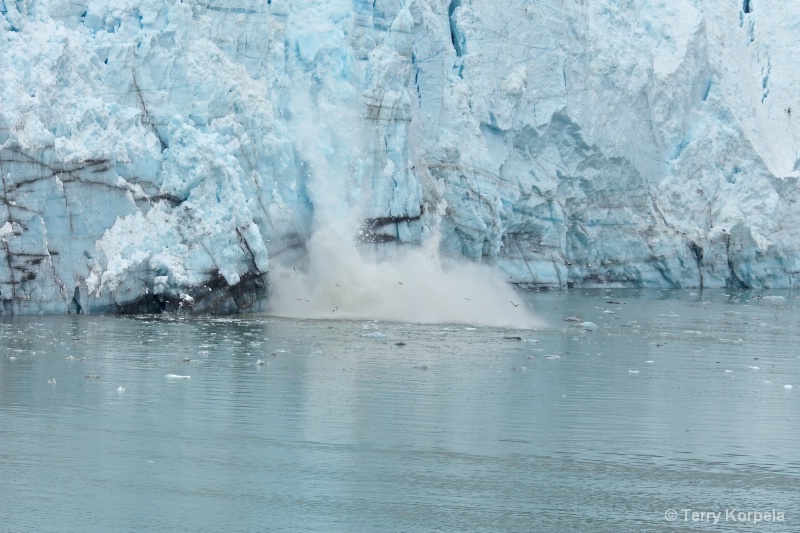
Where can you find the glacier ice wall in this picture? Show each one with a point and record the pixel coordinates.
(168, 154)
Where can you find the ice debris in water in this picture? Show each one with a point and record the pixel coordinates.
(588, 326)
(177, 376)
(787, 387)
(373, 335)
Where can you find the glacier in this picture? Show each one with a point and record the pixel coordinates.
(184, 155)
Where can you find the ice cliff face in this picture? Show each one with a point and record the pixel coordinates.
(164, 154)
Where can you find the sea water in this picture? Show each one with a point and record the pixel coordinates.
(630, 411)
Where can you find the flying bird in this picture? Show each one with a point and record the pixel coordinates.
(512, 303)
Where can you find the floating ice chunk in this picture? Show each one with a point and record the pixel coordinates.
(70, 358)
(120, 389)
(177, 376)
(262, 363)
(754, 368)
(588, 326)
(767, 382)
(787, 387)
(649, 362)
(52, 381)
(373, 335)
(729, 371)
(552, 356)
(633, 371)
(12, 358)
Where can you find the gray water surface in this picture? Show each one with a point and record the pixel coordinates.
(461, 429)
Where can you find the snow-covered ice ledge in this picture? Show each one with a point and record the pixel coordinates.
(166, 154)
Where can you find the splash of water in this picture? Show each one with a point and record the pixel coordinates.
(414, 286)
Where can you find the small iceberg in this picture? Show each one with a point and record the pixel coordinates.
(588, 326)
(373, 335)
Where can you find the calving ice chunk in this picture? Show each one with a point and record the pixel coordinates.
(152, 152)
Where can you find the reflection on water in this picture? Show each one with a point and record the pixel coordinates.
(677, 400)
